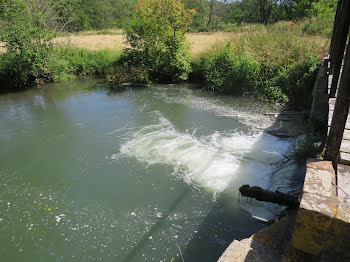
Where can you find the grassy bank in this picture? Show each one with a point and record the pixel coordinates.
(275, 62)
(64, 62)
(68, 62)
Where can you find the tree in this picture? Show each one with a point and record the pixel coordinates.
(157, 33)
(212, 13)
(265, 8)
(300, 8)
(27, 41)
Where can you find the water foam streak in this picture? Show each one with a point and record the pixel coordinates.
(217, 162)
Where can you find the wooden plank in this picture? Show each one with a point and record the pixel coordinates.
(347, 125)
(345, 146)
(338, 43)
(344, 158)
(332, 101)
(331, 107)
(336, 19)
(343, 174)
(336, 92)
(346, 135)
(341, 111)
(330, 116)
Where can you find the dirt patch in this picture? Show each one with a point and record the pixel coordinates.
(202, 42)
(94, 42)
(2, 48)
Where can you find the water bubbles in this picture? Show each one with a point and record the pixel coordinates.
(59, 217)
(115, 156)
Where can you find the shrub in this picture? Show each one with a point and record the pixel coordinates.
(272, 63)
(27, 44)
(297, 80)
(319, 26)
(128, 74)
(321, 18)
(128, 69)
(308, 145)
(156, 32)
(265, 90)
(230, 73)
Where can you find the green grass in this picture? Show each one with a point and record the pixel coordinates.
(274, 63)
(63, 63)
(319, 26)
(308, 145)
(68, 62)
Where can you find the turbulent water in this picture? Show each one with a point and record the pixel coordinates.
(90, 174)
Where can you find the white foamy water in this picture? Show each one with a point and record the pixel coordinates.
(217, 162)
(219, 108)
(256, 120)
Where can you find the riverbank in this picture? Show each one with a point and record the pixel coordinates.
(274, 63)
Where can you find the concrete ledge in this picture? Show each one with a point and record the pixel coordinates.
(314, 219)
(268, 245)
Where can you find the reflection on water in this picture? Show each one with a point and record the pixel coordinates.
(88, 174)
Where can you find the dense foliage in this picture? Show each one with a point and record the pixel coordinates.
(239, 73)
(69, 62)
(157, 33)
(275, 62)
(229, 72)
(26, 39)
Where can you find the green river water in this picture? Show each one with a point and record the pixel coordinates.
(90, 174)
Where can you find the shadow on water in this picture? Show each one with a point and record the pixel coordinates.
(157, 226)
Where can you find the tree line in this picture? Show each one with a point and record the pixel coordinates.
(78, 15)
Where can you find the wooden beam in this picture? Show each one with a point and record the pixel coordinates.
(269, 196)
(336, 18)
(340, 114)
(339, 36)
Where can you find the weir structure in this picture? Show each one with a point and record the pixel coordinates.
(319, 230)
(322, 227)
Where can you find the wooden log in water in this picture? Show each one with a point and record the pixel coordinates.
(269, 196)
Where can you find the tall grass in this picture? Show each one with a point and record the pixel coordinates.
(93, 32)
(319, 26)
(65, 62)
(68, 62)
(275, 62)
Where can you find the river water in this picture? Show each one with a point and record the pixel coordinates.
(90, 174)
